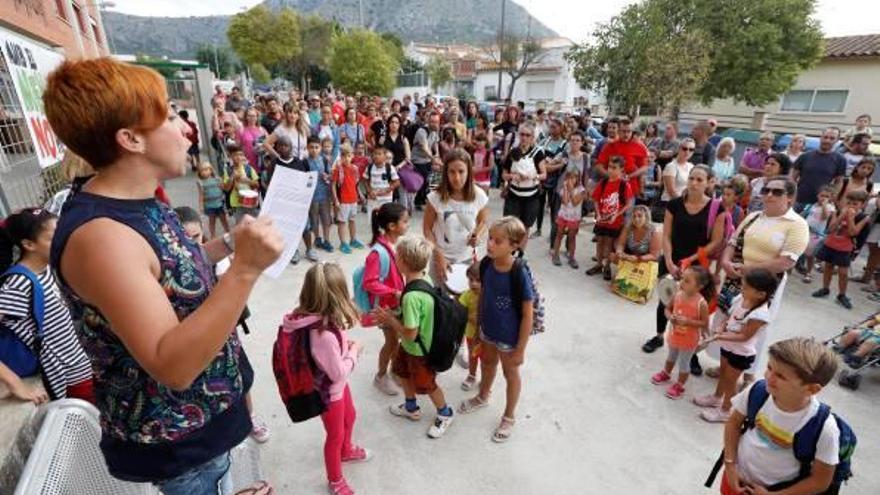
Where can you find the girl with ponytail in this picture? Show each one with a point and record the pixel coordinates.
(65, 368)
(383, 281)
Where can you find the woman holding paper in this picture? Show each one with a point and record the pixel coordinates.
(170, 372)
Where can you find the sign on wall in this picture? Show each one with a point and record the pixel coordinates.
(29, 64)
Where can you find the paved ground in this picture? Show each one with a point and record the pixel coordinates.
(589, 420)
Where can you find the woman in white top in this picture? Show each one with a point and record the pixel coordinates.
(455, 215)
(676, 172)
(796, 147)
(724, 166)
(293, 126)
(524, 169)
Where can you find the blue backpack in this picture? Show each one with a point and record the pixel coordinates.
(805, 441)
(14, 353)
(361, 297)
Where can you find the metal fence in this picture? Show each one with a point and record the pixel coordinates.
(412, 79)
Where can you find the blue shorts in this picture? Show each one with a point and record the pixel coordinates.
(501, 346)
(836, 258)
(212, 477)
(219, 211)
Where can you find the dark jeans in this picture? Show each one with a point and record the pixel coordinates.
(545, 197)
(523, 207)
(424, 169)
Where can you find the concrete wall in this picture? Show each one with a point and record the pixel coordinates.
(861, 77)
(41, 19)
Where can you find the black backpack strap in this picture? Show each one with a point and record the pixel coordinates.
(419, 285)
(757, 397)
(516, 286)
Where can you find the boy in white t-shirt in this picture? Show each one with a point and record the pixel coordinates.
(761, 458)
(381, 179)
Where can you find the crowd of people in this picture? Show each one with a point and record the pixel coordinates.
(728, 235)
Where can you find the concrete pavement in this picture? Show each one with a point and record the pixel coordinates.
(589, 421)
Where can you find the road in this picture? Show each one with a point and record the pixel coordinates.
(589, 421)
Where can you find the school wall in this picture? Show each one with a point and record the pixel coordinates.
(860, 76)
(41, 20)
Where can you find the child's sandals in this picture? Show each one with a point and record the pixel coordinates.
(470, 405)
(261, 488)
(504, 430)
(469, 383)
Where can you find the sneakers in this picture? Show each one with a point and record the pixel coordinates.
(675, 391)
(325, 245)
(260, 431)
(384, 384)
(573, 262)
(344, 248)
(312, 255)
(653, 344)
(357, 454)
(339, 487)
(660, 377)
(708, 401)
(295, 259)
(595, 270)
(823, 292)
(556, 260)
(606, 272)
(441, 424)
(402, 412)
(807, 279)
(356, 244)
(844, 301)
(715, 415)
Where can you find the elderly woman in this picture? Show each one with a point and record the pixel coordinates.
(170, 373)
(774, 239)
(795, 147)
(724, 166)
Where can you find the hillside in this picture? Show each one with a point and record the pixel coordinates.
(462, 21)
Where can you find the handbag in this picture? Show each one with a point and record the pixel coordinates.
(410, 178)
(635, 280)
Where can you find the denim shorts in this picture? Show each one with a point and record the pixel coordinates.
(501, 346)
(211, 478)
(219, 211)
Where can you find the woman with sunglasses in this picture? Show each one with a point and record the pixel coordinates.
(773, 238)
(523, 171)
(676, 172)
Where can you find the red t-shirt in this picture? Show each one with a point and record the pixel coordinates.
(635, 156)
(361, 162)
(347, 178)
(608, 203)
(338, 110)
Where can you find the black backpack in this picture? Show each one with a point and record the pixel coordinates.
(450, 321)
(412, 129)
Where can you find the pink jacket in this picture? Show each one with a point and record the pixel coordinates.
(334, 360)
(386, 290)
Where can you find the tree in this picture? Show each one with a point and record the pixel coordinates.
(260, 73)
(395, 45)
(410, 65)
(261, 36)
(360, 61)
(643, 56)
(515, 55)
(666, 52)
(439, 72)
(220, 59)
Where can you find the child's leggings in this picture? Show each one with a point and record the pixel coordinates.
(682, 357)
(338, 423)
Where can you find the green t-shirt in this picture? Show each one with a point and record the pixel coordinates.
(418, 312)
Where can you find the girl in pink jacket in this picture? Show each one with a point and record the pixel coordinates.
(326, 311)
(383, 281)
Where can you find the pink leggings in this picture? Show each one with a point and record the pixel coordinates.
(338, 423)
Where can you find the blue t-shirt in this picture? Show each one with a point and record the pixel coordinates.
(499, 320)
(322, 189)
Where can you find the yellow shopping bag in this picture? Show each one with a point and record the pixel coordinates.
(635, 280)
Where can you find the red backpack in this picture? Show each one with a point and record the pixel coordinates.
(304, 388)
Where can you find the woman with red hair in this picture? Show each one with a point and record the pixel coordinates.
(170, 373)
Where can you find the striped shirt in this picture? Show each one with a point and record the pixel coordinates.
(63, 361)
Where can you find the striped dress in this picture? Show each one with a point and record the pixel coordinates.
(63, 361)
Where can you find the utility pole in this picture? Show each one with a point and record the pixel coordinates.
(216, 63)
(500, 51)
(361, 12)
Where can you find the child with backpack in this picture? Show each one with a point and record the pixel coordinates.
(470, 299)
(739, 335)
(325, 312)
(845, 227)
(779, 436)
(416, 330)
(688, 315)
(345, 199)
(613, 197)
(505, 318)
(380, 180)
(381, 283)
(36, 328)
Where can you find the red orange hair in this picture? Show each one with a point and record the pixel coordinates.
(88, 101)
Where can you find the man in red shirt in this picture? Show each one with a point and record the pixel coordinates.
(633, 151)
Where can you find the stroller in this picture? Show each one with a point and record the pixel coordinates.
(851, 375)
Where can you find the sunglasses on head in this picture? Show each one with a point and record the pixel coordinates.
(776, 191)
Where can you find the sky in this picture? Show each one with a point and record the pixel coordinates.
(574, 19)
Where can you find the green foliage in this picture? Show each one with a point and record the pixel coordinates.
(410, 65)
(220, 59)
(261, 36)
(395, 46)
(515, 55)
(360, 61)
(666, 52)
(439, 72)
(260, 73)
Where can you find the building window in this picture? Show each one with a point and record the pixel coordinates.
(815, 100)
(61, 7)
(489, 93)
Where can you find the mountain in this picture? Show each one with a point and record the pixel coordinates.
(447, 21)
